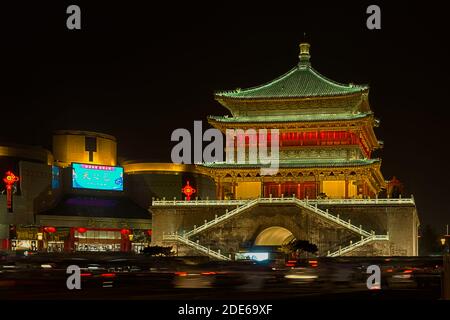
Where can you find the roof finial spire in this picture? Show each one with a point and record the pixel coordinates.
(304, 54)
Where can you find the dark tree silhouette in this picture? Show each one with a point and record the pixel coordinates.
(297, 247)
(429, 242)
(157, 251)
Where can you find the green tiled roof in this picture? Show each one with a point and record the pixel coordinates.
(290, 118)
(300, 82)
(298, 163)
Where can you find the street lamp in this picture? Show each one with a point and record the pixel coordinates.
(445, 241)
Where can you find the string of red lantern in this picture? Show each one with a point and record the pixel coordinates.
(124, 232)
(50, 229)
(81, 230)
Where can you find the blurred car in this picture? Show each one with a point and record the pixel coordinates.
(397, 277)
(3, 255)
(428, 275)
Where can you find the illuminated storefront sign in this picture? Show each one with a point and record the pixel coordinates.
(24, 245)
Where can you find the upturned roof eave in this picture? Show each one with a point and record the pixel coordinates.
(219, 97)
(218, 119)
(299, 164)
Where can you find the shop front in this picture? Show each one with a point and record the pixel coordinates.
(25, 238)
(109, 240)
(96, 224)
(80, 239)
(55, 239)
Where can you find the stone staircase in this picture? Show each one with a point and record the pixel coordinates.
(366, 236)
(196, 246)
(357, 244)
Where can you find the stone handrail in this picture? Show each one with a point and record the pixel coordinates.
(311, 205)
(298, 202)
(358, 244)
(205, 250)
(283, 200)
(223, 217)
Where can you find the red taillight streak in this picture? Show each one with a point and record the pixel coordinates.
(408, 271)
(108, 275)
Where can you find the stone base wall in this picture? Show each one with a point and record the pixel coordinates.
(239, 233)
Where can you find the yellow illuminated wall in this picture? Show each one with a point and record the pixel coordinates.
(248, 190)
(352, 189)
(336, 189)
(70, 146)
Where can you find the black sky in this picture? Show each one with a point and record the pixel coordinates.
(140, 72)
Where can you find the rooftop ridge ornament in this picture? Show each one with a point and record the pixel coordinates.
(304, 55)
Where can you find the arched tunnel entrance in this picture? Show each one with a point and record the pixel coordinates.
(274, 236)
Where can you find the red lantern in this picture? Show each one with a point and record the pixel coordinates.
(50, 229)
(125, 232)
(149, 232)
(9, 180)
(188, 191)
(81, 230)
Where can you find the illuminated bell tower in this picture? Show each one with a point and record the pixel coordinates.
(326, 137)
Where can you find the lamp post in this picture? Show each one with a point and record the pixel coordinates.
(445, 241)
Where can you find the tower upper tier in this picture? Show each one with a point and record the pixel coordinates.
(300, 91)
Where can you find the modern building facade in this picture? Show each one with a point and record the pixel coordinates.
(54, 211)
(32, 193)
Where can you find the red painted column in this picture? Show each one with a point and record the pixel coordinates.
(70, 241)
(125, 243)
(4, 244)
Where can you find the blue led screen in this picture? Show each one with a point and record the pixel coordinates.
(55, 177)
(98, 177)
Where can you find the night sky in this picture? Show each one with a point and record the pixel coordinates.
(140, 72)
